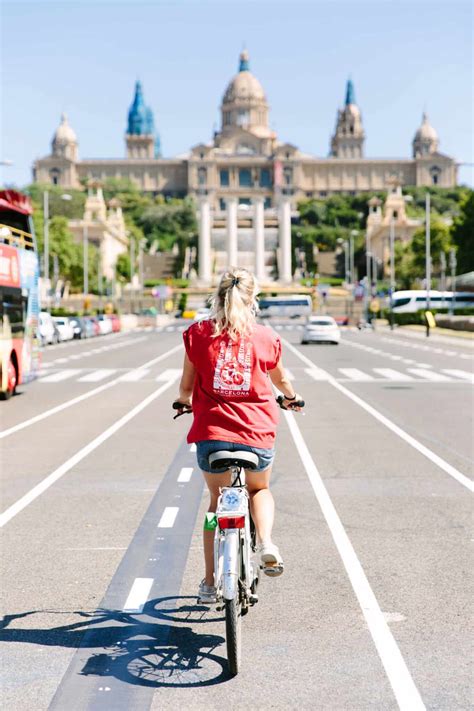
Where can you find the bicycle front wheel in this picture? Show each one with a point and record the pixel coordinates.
(233, 634)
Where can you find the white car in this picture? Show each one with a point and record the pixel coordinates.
(202, 314)
(321, 329)
(47, 331)
(105, 324)
(65, 328)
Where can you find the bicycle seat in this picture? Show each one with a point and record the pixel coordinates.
(244, 460)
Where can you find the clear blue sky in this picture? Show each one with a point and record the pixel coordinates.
(83, 58)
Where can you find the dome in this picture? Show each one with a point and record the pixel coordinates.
(244, 86)
(426, 132)
(64, 133)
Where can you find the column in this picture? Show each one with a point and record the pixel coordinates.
(232, 245)
(284, 226)
(259, 236)
(204, 256)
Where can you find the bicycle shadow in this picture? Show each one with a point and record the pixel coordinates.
(155, 648)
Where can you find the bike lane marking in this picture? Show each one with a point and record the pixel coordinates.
(112, 667)
(48, 481)
(425, 451)
(168, 517)
(185, 474)
(138, 595)
(84, 396)
(404, 688)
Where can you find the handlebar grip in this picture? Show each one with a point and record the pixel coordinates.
(177, 406)
(291, 405)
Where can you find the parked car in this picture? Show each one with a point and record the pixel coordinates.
(79, 326)
(95, 325)
(321, 329)
(48, 331)
(65, 328)
(105, 324)
(116, 325)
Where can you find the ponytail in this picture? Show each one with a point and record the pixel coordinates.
(234, 305)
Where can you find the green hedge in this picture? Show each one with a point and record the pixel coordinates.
(406, 319)
(178, 283)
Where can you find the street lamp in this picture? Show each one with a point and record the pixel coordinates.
(427, 256)
(66, 197)
(453, 264)
(392, 267)
(353, 234)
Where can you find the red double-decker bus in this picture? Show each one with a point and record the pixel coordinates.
(19, 293)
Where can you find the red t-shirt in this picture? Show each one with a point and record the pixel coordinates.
(233, 399)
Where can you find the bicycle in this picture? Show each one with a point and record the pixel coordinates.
(236, 575)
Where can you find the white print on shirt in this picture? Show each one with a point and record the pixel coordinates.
(232, 374)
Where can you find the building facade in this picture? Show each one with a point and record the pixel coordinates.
(246, 160)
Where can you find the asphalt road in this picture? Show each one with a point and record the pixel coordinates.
(373, 496)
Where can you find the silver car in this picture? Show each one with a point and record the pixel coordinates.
(321, 329)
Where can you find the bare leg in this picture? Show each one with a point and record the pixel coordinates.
(262, 505)
(214, 483)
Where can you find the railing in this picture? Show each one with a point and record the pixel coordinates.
(16, 238)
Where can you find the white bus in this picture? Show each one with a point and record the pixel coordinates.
(414, 300)
(292, 306)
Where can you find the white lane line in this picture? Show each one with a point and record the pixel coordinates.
(441, 463)
(167, 374)
(40, 488)
(392, 374)
(193, 447)
(185, 475)
(60, 375)
(96, 375)
(406, 693)
(430, 375)
(355, 374)
(80, 398)
(463, 374)
(134, 375)
(168, 517)
(138, 595)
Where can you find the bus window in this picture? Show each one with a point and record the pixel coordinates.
(401, 302)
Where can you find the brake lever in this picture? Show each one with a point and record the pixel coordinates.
(185, 410)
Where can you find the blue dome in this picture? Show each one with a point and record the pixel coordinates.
(138, 117)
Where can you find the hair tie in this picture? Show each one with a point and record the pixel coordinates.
(235, 281)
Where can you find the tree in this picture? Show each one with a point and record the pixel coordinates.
(440, 240)
(462, 234)
(123, 267)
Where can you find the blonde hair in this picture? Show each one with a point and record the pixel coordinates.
(233, 305)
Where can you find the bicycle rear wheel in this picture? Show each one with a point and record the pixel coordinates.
(233, 634)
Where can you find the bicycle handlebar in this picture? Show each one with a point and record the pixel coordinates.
(186, 410)
(291, 405)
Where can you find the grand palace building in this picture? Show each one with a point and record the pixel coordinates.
(246, 158)
(246, 181)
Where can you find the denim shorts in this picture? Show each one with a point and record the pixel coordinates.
(208, 446)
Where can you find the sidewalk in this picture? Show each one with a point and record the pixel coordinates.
(443, 335)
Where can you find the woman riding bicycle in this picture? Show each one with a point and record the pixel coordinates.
(225, 380)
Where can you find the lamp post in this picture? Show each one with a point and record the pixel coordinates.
(392, 268)
(453, 264)
(132, 270)
(85, 260)
(427, 257)
(352, 273)
(64, 196)
(368, 278)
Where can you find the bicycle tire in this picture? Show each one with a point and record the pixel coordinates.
(233, 634)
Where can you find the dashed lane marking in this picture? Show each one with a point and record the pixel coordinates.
(430, 375)
(168, 517)
(404, 688)
(393, 374)
(97, 375)
(463, 374)
(167, 374)
(185, 475)
(193, 447)
(134, 375)
(138, 595)
(355, 374)
(60, 375)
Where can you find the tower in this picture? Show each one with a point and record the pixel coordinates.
(348, 138)
(140, 135)
(64, 143)
(426, 139)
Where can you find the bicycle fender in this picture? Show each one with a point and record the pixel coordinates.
(230, 577)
